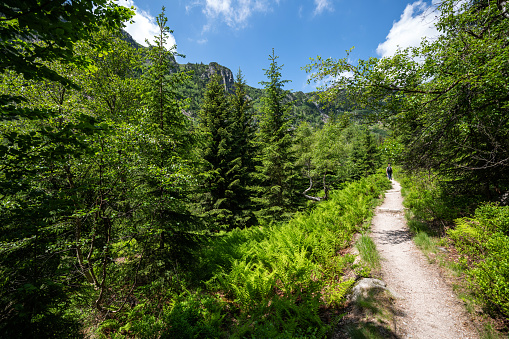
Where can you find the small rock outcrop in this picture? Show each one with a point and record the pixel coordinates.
(364, 286)
(225, 73)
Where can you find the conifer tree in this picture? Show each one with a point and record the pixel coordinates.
(275, 164)
(217, 154)
(242, 166)
(168, 147)
(227, 122)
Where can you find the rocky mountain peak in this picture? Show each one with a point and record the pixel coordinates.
(225, 73)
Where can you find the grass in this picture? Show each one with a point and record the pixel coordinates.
(368, 252)
(488, 332)
(456, 268)
(367, 331)
(425, 242)
(376, 319)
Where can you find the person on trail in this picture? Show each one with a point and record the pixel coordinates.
(389, 171)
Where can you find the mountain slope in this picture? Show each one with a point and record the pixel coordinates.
(305, 106)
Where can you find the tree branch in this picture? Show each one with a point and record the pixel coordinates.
(311, 186)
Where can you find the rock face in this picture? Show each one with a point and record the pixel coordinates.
(202, 74)
(225, 73)
(365, 286)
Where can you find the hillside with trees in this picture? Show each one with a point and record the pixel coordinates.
(141, 198)
(306, 107)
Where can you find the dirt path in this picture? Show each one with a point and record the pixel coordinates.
(427, 306)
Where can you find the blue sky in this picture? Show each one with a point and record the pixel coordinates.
(241, 33)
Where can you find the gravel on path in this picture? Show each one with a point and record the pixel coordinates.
(427, 306)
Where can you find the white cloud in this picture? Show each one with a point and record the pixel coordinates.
(416, 22)
(322, 5)
(144, 26)
(235, 13)
(329, 80)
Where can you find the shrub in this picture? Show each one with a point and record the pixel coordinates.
(434, 199)
(484, 239)
(492, 274)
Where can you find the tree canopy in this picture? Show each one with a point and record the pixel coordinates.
(446, 100)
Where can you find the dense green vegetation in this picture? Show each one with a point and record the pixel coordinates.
(446, 104)
(123, 214)
(142, 198)
(274, 280)
(484, 239)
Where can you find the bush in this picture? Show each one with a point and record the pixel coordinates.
(485, 240)
(493, 218)
(492, 274)
(434, 200)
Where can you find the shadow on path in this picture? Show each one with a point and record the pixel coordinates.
(395, 237)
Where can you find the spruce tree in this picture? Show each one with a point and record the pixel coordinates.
(275, 172)
(228, 153)
(242, 166)
(168, 146)
(217, 154)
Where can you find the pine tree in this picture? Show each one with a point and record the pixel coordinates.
(275, 171)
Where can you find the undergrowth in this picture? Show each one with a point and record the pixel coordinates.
(270, 281)
(368, 252)
(483, 240)
(477, 231)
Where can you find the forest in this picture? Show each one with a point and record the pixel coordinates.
(138, 201)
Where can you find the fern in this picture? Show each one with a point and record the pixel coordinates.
(280, 275)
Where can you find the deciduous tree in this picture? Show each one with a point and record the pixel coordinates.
(446, 100)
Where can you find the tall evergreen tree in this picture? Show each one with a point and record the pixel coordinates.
(217, 154)
(275, 170)
(242, 166)
(168, 147)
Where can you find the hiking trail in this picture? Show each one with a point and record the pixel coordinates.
(427, 306)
